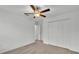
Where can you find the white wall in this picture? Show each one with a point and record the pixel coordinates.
(15, 30)
(64, 33)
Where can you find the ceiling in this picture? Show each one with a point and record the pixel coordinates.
(16, 29)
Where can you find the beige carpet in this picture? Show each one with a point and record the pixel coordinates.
(38, 47)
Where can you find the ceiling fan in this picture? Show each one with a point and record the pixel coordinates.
(38, 24)
(37, 12)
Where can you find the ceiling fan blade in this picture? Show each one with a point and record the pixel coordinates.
(46, 10)
(33, 7)
(28, 14)
(59, 20)
(43, 16)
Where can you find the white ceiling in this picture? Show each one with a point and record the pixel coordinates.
(16, 29)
